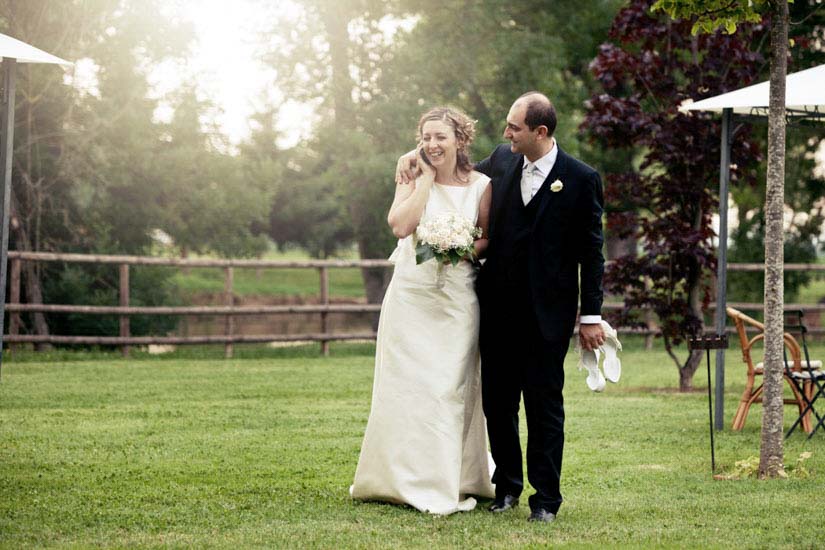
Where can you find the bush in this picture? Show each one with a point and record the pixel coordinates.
(81, 284)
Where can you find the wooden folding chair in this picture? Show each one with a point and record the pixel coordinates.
(753, 393)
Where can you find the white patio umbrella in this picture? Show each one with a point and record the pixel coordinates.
(804, 100)
(12, 51)
(804, 97)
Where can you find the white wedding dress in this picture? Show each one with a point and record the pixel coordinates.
(426, 440)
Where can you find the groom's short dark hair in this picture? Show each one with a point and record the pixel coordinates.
(540, 111)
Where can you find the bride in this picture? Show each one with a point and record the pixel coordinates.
(426, 443)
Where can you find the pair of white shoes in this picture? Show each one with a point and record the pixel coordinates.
(589, 360)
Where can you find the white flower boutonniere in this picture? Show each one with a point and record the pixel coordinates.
(556, 186)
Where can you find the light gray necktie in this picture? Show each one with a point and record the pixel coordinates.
(535, 180)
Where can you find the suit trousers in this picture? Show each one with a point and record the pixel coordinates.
(516, 361)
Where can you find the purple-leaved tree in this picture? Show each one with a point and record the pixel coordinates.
(666, 198)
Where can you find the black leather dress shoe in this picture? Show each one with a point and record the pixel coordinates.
(542, 515)
(504, 503)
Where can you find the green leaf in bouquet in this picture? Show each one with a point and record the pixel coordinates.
(423, 253)
(455, 257)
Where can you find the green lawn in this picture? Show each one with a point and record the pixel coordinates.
(813, 292)
(343, 282)
(259, 452)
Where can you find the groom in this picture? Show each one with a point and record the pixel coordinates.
(545, 225)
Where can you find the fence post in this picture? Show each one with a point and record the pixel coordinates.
(229, 327)
(124, 302)
(323, 273)
(14, 298)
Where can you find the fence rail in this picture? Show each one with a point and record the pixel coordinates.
(229, 311)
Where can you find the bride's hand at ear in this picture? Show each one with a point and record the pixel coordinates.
(406, 170)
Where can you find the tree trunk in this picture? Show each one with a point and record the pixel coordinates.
(34, 292)
(335, 19)
(687, 371)
(184, 254)
(771, 453)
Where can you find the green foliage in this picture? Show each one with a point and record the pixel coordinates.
(260, 452)
(207, 202)
(803, 188)
(84, 177)
(749, 247)
(310, 208)
(749, 468)
(85, 163)
(98, 285)
(710, 15)
(94, 173)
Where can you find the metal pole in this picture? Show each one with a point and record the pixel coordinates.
(6, 150)
(722, 265)
(710, 419)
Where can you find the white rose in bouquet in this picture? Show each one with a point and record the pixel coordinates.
(449, 236)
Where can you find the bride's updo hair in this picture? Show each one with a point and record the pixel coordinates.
(465, 130)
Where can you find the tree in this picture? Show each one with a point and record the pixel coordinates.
(207, 202)
(710, 15)
(478, 56)
(328, 44)
(665, 198)
(69, 168)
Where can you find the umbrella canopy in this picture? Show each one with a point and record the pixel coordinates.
(11, 48)
(804, 97)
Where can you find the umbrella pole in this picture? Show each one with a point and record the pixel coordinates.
(722, 267)
(6, 150)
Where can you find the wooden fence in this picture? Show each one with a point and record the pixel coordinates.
(230, 311)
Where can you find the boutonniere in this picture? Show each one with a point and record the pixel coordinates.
(556, 186)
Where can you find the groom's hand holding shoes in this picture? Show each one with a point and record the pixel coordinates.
(591, 336)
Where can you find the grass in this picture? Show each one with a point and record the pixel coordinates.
(813, 292)
(343, 282)
(259, 452)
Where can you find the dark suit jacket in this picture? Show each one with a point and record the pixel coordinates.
(567, 234)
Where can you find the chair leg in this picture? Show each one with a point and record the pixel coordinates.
(748, 397)
(801, 403)
(739, 416)
(806, 420)
(807, 424)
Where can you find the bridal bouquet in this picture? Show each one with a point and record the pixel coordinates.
(446, 237)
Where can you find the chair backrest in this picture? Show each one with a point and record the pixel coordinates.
(795, 324)
(742, 321)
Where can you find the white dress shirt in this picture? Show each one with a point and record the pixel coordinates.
(532, 178)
